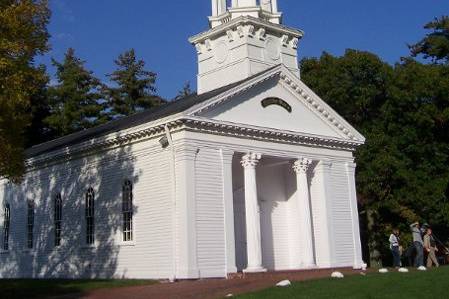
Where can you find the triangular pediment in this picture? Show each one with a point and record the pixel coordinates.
(277, 100)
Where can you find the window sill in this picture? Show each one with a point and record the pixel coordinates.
(27, 250)
(127, 244)
(4, 251)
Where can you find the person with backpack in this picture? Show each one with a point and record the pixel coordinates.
(395, 248)
(431, 247)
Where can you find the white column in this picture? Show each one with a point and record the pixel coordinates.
(253, 238)
(274, 6)
(266, 5)
(358, 259)
(185, 205)
(228, 203)
(243, 3)
(222, 7)
(218, 7)
(301, 167)
(214, 8)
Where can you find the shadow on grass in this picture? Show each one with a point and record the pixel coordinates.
(41, 289)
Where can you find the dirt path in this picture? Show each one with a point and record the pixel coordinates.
(210, 288)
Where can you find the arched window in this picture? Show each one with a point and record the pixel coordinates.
(90, 219)
(6, 228)
(127, 211)
(58, 219)
(30, 224)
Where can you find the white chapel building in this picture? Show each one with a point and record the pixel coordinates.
(254, 173)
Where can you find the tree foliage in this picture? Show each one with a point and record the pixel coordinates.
(135, 86)
(436, 44)
(23, 35)
(76, 101)
(38, 131)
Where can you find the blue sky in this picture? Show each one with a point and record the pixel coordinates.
(102, 29)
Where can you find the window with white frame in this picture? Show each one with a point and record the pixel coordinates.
(30, 224)
(127, 211)
(6, 226)
(90, 216)
(58, 219)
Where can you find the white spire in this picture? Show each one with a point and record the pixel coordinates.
(245, 38)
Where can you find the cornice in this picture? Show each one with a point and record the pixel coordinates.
(246, 20)
(98, 144)
(207, 126)
(267, 134)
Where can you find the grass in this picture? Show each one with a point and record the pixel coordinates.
(34, 289)
(430, 284)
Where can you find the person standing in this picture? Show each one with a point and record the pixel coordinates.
(418, 244)
(395, 248)
(431, 247)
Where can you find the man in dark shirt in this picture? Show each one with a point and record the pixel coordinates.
(418, 243)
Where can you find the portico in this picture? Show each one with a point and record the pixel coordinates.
(272, 210)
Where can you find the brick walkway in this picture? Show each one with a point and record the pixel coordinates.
(210, 288)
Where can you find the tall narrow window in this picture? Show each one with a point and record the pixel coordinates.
(6, 228)
(127, 211)
(30, 224)
(90, 219)
(58, 219)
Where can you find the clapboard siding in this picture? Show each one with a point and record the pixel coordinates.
(147, 256)
(210, 213)
(341, 216)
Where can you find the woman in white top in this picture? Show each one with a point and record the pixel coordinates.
(394, 246)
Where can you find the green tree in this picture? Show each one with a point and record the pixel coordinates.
(135, 87)
(355, 84)
(76, 101)
(23, 35)
(38, 131)
(185, 91)
(436, 44)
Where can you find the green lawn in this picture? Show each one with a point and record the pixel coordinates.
(420, 285)
(33, 289)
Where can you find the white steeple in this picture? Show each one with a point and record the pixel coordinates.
(266, 9)
(244, 38)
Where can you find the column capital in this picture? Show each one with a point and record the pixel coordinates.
(302, 165)
(250, 160)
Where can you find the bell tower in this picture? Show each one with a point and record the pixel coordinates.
(245, 38)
